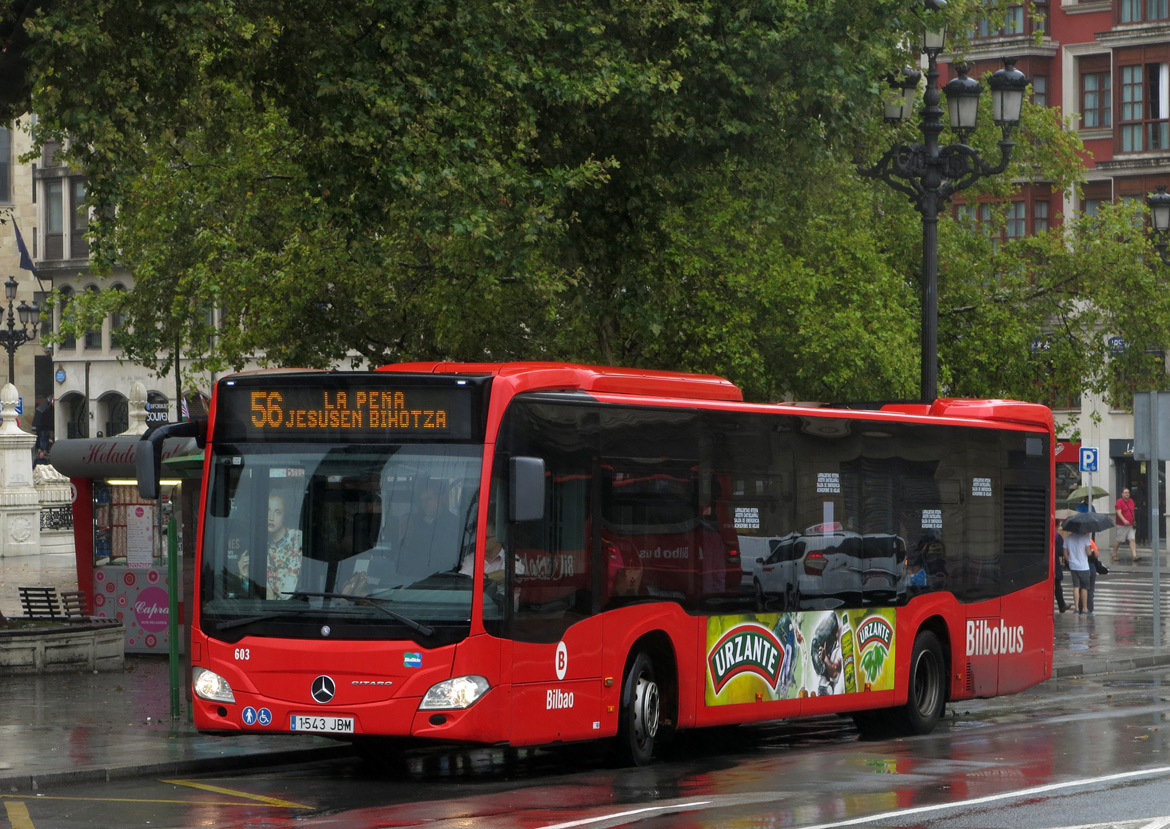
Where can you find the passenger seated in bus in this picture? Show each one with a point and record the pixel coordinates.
(284, 559)
(926, 565)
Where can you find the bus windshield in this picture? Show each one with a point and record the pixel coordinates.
(374, 541)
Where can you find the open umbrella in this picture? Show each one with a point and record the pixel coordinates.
(1082, 491)
(1084, 523)
(1061, 514)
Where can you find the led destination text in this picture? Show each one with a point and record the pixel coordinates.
(347, 410)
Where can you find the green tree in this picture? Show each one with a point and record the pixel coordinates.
(480, 180)
(662, 184)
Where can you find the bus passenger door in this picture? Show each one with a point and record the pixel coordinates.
(556, 687)
(555, 638)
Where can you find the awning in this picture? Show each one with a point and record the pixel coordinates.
(183, 466)
(99, 458)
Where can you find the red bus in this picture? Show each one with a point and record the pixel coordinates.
(537, 553)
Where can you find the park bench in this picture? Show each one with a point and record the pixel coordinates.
(40, 602)
(73, 603)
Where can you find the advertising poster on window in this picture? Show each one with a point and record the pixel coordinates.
(139, 536)
(778, 656)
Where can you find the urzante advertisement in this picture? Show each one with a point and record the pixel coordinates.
(778, 656)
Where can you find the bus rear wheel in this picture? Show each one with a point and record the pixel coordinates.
(639, 716)
(926, 698)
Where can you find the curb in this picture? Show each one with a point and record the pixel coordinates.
(31, 782)
(1108, 667)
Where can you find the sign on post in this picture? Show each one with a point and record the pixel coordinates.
(1088, 458)
(1143, 430)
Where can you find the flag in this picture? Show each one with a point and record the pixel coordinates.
(26, 262)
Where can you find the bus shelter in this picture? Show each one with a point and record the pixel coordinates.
(120, 538)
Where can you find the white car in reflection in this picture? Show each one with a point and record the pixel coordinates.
(826, 566)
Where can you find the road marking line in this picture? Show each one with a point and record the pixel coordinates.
(978, 801)
(18, 815)
(130, 800)
(272, 801)
(675, 807)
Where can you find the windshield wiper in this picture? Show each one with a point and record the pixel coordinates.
(260, 617)
(418, 627)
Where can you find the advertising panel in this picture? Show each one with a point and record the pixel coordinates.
(779, 656)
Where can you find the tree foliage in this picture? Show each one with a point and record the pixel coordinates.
(663, 184)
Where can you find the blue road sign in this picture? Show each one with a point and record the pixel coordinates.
(1088, 459)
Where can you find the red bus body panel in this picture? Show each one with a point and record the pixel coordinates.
(570, 690)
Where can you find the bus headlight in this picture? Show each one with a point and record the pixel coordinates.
(212, 686)
(460, 692)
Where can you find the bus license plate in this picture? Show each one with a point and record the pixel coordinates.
(327, 725)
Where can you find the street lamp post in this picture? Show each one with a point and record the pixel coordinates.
(1159, 204)
(14, 338)
(930, 174)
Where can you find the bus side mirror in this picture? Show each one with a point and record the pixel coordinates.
(148, 458)
(526, 501)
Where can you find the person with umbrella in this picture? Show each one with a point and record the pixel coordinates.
(1077, 544)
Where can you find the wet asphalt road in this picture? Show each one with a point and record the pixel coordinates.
(1068, 753)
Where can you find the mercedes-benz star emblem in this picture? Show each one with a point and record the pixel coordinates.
(323, 688)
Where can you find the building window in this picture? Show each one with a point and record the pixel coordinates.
(1040, 90)
(1040, 17)
(1093, 206)
(1144, 105)
(54, 219)
(5, 164)
(1040, 217)
(78, 247)
(1013, 23)
(1131, 109)
(1015, 224)
(1138, 11)
(1096, 100)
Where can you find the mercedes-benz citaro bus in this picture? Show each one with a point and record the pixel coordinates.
(535, 553)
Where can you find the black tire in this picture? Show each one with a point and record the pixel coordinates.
(761, 599)
(639, 716)
(926, 696)
(873, 725)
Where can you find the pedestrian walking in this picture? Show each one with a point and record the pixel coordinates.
(1126, 513)
(1076, 548)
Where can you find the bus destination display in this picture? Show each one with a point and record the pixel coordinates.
(347, 413)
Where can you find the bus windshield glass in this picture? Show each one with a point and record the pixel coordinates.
(373, 541)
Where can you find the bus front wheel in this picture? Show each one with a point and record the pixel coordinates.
(638, 718)
(926, 697)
